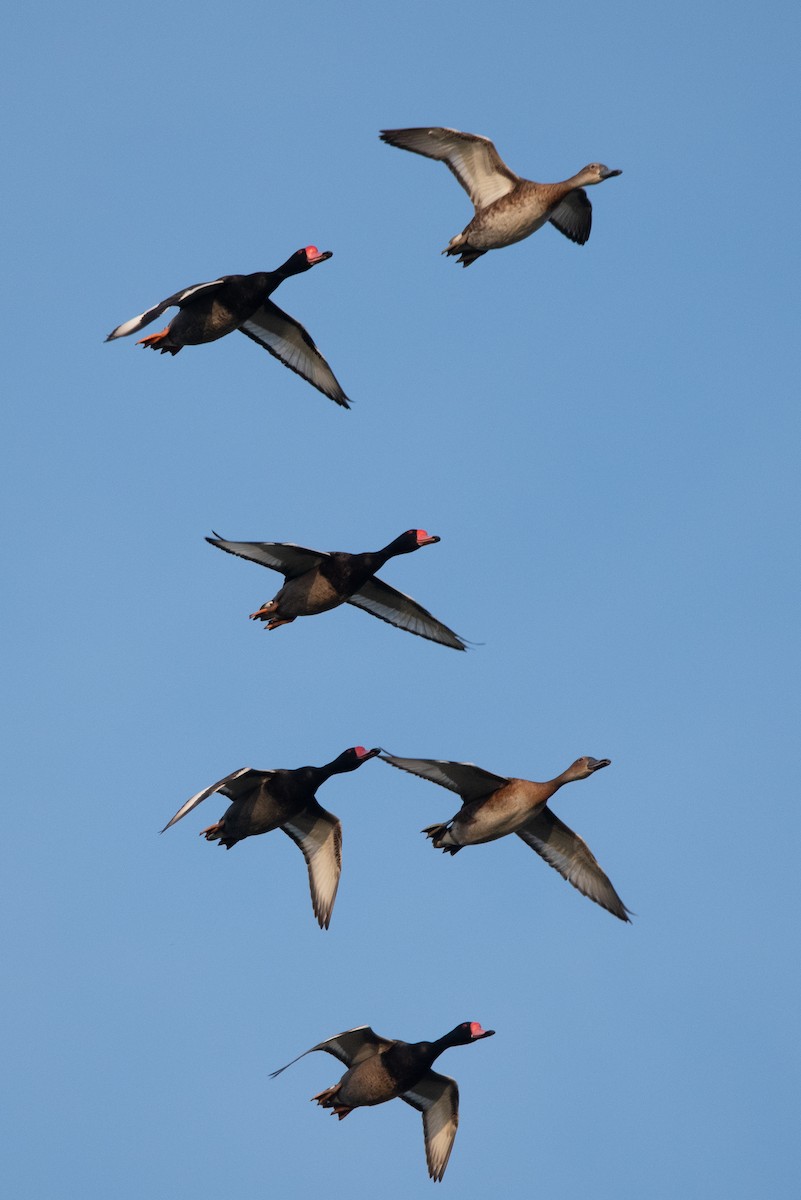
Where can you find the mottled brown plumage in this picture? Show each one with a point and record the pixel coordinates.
(508, 208)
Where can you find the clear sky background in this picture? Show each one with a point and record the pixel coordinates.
(606, 440)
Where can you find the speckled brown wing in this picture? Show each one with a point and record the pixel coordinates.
(570, 855)
(473, 159)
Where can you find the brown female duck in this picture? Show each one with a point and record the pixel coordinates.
(495, 805)
(508, 208)
(267, 800)
(381, 1069)
(317, 581)
(209, 311)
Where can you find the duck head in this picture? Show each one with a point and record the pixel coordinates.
(595, 173)
(468, 1031)
(304, 260)
(411, 540)
(585, 766)
(349, 760)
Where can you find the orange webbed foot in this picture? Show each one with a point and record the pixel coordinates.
(153, 340)
(264, 611)
(276, 624)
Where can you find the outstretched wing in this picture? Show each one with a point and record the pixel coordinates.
(437, 1098)
(573, 216)
(137, 323)
(351, 1047)
(390, 605)
(289, 559)
(319, 835)
(231, 786)
(473, 159)
(467, 780)
(572, 858)
(287, 340)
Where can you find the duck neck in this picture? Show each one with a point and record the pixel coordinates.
(553, 785)
(294, 265)
(342, 763)
(399, 545)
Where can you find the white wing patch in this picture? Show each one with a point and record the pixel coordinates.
(319, 835)
(137, 323)
(388, 604)
(351, 1047)
(199, 797)
(287, 340)
(287, 558)
(437, 1098)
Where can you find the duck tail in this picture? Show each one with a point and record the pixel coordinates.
(216, 833)
(466, 254)
(328, 1098)
(438, 834)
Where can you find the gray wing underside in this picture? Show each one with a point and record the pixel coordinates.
(230, 786)
(570, 855)
(388, 604)
(437, 1098)
(289, 559)
(190, 293)
(287, 340)
(351, 1047)
(473, 159)
(573, 216)
(467, 780)
(318, 835)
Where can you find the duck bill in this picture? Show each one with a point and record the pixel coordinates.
(611, 174)
(595, 764)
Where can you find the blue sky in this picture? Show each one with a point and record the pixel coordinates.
(605, 438)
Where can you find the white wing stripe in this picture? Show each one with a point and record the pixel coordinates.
(199, 797)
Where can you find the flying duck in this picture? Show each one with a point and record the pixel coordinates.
(508, 208)
(209, 311)
(495, 805)
(317, 580)
(266, 800)
(379, 1069)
